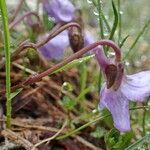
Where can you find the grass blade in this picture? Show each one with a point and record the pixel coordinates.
(123, 41)
(115, 21)
(137, 38)
(139, 143)
(7, 57)
(74, 63)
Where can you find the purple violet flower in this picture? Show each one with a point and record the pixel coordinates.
(119, 89)
(89, 39)
(60, 10)
(54, 49)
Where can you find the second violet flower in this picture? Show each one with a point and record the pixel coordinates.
(61, 11)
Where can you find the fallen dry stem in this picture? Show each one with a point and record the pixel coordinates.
(18, 139)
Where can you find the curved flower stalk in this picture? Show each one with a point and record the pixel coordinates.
(120, 88)
(18, 20)
(26, 44)
(60, 10)
(38, 77)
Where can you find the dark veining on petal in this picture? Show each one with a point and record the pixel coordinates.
(111, 74)
(119, 77)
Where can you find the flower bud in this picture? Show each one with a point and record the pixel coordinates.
(76, 39)
(75, 34)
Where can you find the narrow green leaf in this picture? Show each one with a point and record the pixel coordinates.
(74, 63)
(119, 22)
(123, 41)
(139, 143)
(89, 123)
(103, 16)
(137, 38)
(101, 26)
(115, 21)
(4, 13)
(83, 77)
(81, 127)
(14, 94)
(85, 91)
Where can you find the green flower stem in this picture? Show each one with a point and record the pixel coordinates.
(81, 127)
(93, 121)
(7, 56)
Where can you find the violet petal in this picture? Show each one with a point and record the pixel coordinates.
(88, 38)
(117, 104)
(54, 49)
(137, 86)
(60, 10)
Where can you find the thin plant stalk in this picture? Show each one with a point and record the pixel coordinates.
(81, 127)
(101, 27)
(115, 22)
(119, 22)
(3, 8)
(16, 11)
(100, 19)
(93, 121)
(103, 16)
(83, 80)
(17, 21)
(123, 41)
(114, 27)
